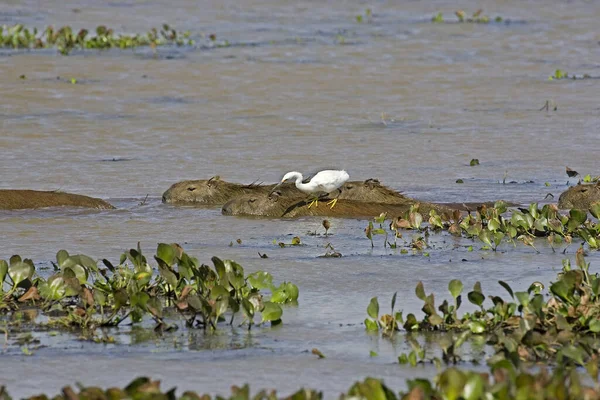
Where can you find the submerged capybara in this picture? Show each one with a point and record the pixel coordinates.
(217, 192)
(22, 199)
(214, 191)
(580, 196)
(276, 205)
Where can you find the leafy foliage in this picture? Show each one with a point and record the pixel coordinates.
(495, 225)
(524, 327)
(89, 297)
(502, 382)
(66, 40)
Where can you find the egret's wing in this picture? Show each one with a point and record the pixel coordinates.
(308, 177)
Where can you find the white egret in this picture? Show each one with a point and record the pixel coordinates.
(325, 181)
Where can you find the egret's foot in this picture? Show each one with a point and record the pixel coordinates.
(332, 203)
(314, 202)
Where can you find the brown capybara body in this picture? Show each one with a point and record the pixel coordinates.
(217, 192)
(214, 191)
(579, 197)
(276, 205)
(23, 199)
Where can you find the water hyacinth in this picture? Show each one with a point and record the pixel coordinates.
(524, 328)
(496, 225)
(87, 296)
(65, 39)
(502, 382)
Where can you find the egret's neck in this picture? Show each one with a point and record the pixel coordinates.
(301, 186)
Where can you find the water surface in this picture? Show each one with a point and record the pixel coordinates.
(303, 86)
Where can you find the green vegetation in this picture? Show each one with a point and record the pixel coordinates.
(87, 297)
(367, 17)
(477, 17)
(494, 225)
(67, 40)
(526, 327)
(560, 74)
(502, 383)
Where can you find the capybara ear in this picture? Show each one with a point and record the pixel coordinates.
(212, 181)
(371, 183)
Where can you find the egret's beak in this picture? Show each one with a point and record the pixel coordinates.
(275, 188)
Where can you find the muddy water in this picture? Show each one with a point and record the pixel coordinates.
(303, 86)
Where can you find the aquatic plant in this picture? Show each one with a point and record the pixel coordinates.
(495, 225)
(478, 17)
(501, 382)
(526, 327)
(65, 39)
(560, 74)
(367, 17)
(88, 296)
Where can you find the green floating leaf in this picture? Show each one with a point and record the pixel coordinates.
(260, 280)
(3, 272)
(594, 325)
(523, 298)
(455, 287)
(292, 291)
(271, 312)
(507, 287)
(476, 298)
(15, 259)
(477, 326)
(474, 388)
(420, 291)
(576, 218)
(373, 308)
(595, 209)
(54, 288)
(574, 353)
(371, 325)
(19, 271)
(61, 257)
(561, 290)
(167, 253)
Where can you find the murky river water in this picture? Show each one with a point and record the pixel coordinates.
(303, 86)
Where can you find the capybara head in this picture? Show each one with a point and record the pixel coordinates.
(579, 197)
(371, 191)
(211, 191)
(265, 205)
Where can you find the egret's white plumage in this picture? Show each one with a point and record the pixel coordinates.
(325, 181)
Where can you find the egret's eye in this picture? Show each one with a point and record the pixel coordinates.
(191, 188)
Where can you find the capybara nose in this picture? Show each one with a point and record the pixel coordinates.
(164, 199)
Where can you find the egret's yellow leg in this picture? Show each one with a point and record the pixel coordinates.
(332, 202)
(314, 202)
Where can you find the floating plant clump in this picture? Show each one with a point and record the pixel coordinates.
(478, 18)
(560, 74)
(86, 296)
(501, 382)
(492, 225)
(526, 327)
(65, 39)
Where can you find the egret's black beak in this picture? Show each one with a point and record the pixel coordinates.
(275, 188)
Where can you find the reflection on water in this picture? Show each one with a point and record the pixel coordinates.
(303, 86)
